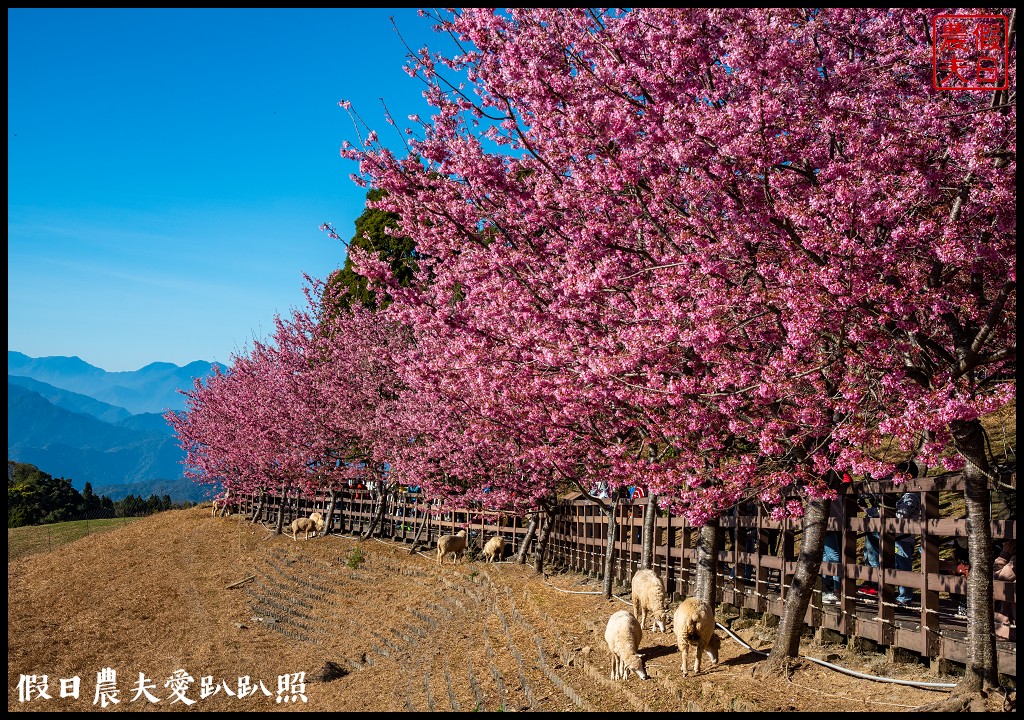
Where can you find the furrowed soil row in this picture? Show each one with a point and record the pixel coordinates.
(466, 636)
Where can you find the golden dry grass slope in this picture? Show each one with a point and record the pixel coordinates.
(397, 633)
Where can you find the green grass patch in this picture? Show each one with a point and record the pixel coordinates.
(33, 539)
(355, 558)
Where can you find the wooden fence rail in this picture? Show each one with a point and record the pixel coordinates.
(757, 561)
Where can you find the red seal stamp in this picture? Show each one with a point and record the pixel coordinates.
(970, 52)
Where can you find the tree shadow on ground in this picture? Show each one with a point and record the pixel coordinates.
(747, 658)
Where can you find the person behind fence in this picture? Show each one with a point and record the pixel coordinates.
(907, 507)
(1005, 568)
(747, 536)
(830, 585)
(753, 536)
(743, 537)
(962, 557)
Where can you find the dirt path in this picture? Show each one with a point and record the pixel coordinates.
(398, 632)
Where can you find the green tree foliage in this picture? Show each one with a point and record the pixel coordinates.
(91, 499)
(136, 505)
(346, 286)
(37, 498)
(131, 506)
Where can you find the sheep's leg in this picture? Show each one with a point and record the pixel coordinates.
(686, 659)
(696, 663)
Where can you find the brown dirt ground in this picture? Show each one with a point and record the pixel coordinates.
(404, 634)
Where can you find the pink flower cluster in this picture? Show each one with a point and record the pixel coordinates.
(718, 253)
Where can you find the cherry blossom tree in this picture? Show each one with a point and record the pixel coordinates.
(309, 409)
(720, 253)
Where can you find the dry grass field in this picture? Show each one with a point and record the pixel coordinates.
(371, 627)
(31, 539)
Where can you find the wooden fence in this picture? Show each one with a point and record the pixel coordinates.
(931, 627)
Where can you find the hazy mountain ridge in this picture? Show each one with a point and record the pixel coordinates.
(72, 401)
(83, 448)
(61, 418)
(150, 389)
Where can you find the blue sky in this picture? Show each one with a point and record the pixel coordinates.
(168, 170)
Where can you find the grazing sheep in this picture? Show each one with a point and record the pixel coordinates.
(221, 503)
(694, 623)
(623, 637)
(314, 523)
(649, 599)
(494, 549)
(451, 545)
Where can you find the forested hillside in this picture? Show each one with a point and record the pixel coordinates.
(34, 497)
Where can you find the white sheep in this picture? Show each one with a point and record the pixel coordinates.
(649, 599)
(314, 523)
(623, 637)
(221, 504)
(451, 545)
(494, 549)
(694, 622)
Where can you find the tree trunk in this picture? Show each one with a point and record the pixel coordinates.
(382, 496)
(981, 670)
(791, 624)
(545, 535)
(419, 530)
(610, 511)
(329, 520)
(709, 539)
(222, 511)
(647, 548)
(531, 530)
(258, 512)
(280, 512)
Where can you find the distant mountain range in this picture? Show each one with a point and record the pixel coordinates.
(77, 421)
(152, 389)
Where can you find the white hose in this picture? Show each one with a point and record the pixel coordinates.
(847, 671)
